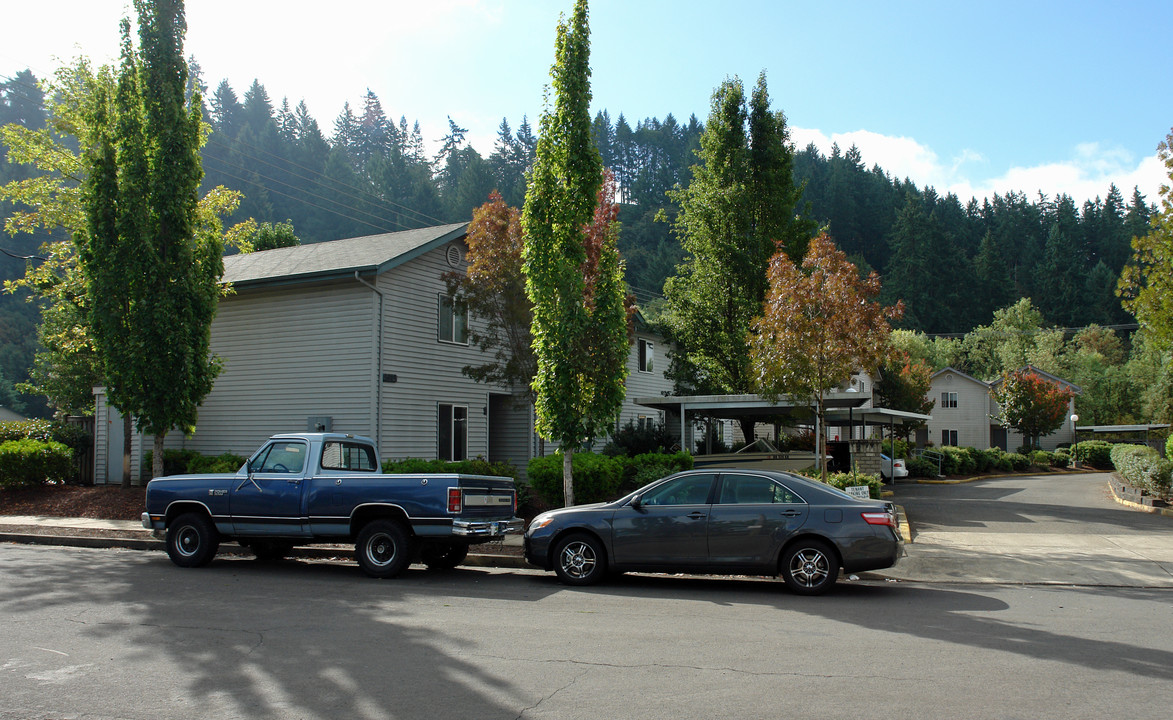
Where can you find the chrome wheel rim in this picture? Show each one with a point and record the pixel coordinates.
(381, 549)
(187, 541)
(810, 567)
(578, 560)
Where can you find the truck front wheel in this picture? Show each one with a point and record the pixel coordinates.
(383, 548)
(192, 540)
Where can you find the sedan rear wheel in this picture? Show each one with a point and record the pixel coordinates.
(580, 560)
(810, 567)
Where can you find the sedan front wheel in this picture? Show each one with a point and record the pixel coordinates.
(580, 560)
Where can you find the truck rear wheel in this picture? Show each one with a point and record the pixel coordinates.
(383, 548)
(192, 540)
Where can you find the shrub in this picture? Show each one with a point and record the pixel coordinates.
(596, 478)
(643, 469)
(901, 448)
(1018, 461)
(224, 463)
(41, 430)
(632, 440)
(1097, 453)
(960, 461)
(919, 467)
(1040, 458)
(1144, 468)
(845, 480)
(1026, 450)
(27, 462)
(476, 466)
(1169, 447)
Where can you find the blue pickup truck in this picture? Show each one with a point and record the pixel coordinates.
(306, 488)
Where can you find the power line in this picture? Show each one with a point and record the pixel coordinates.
(311, 194)
(376, 197)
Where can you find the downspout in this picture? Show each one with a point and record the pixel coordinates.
(378, 366)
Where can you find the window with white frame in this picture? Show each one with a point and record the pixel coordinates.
(948, 399)
(452, 320)
(647, 355)
(452, 432)
(949, 437)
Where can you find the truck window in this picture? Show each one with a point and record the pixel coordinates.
(284, 457)
(348, 456)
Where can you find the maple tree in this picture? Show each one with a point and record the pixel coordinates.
(1030, 403)
(493, 289)
(820, 324)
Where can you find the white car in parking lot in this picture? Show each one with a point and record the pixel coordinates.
(891, 469)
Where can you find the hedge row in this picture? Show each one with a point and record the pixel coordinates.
(184, 462)
(844, 480)
(598, 478)
(970, 461)
(26, 462)
(1143, 467)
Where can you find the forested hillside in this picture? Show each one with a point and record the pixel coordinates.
(953, 261)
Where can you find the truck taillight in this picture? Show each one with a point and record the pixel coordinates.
(878, 518)
(454, 500)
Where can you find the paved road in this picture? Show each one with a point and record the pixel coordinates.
(101, 634)
(1063, 529)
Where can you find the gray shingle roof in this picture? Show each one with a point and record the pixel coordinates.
(337, 258)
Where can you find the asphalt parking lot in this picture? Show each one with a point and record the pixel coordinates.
(1048, 529)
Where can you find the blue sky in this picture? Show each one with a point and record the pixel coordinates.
(972, 98)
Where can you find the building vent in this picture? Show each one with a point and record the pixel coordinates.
(454, 256)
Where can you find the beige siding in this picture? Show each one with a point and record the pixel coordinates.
(970, 418)
(427, 370)
(288, 354)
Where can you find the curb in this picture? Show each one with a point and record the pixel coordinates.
(1167, 512)
(961, 481)
(313, 553)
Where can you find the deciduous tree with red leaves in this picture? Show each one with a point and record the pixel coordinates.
(1030, 403)
(820, 324)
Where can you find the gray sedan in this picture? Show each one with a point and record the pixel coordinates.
(724, 522)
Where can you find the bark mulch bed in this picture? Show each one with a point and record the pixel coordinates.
(110, 502)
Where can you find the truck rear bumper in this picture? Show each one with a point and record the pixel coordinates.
(481, 528)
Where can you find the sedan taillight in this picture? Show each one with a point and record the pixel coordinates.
(878, 518)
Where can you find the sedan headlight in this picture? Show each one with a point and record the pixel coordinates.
(540, 522)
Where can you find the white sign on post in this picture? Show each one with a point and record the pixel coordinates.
(858, 491)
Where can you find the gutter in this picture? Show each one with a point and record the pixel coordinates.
(378, 365)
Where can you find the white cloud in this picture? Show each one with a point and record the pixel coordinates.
(1085, 175)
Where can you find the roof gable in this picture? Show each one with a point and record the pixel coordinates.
(373, 254)
(958, 373)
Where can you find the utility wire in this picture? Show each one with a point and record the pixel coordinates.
(311, 194)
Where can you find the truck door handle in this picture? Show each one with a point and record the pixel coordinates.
(293, 481)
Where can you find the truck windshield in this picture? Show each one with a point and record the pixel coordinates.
(282, 457)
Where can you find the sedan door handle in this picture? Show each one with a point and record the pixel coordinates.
(791, 513)
(696, 515)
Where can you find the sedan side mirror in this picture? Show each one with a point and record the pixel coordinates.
(636, 502)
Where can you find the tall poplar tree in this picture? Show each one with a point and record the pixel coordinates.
(151, 267)
(580, 332)
(738, 209)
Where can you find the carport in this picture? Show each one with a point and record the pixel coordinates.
(845, 408)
